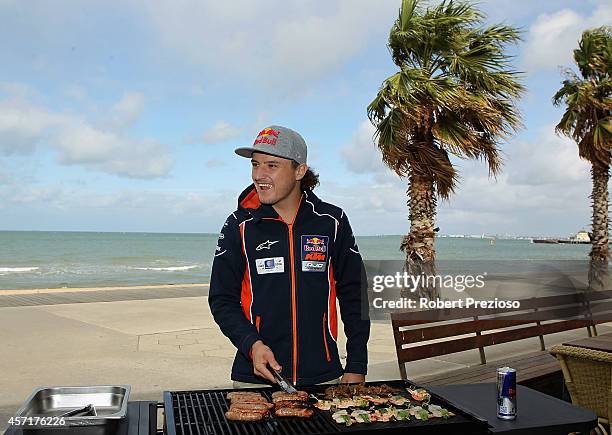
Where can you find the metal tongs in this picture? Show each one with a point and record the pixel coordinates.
(81, 412)
(284, 383)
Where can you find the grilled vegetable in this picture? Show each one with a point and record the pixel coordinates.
(363, 418)
(345, 403)
(383, 414)
(324, 405)
(344, 419)
(398, 400)
(360, 402)
(422, 414)
(351, 404)
(376, 400)
(402, 414)
(420, 394)
(348, 390)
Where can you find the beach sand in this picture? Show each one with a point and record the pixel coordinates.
(164, 343)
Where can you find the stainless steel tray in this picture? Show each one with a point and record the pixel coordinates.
(110, 402)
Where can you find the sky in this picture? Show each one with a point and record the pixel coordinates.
(123, 116)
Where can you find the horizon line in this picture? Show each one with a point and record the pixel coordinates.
(453, 235)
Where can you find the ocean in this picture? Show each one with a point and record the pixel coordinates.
(49, 259)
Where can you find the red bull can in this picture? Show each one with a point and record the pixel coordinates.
(506, 393)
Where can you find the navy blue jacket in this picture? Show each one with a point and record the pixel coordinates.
(278, 282)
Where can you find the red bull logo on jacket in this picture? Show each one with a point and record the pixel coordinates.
(314, 253)
(314, 241)
(315, 244)
(267, 136)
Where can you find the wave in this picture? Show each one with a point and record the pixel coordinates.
(168, 269)
(17, 269)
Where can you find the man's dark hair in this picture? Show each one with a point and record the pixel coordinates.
(311, 178)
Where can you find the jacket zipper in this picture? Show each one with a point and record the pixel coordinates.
(293, 303)
(293, 290)
(257, 322)
(325, 338)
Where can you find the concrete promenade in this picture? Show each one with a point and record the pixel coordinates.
(154, 342)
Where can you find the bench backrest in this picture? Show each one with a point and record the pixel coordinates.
(425, 334)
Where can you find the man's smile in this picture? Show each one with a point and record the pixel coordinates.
(264, 186)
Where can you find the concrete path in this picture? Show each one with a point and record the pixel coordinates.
(21, 298)
(156, 345)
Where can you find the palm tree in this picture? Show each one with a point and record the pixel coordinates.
(454, 94)
(587, 119)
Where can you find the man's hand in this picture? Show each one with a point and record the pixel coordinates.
(349, 378)
(262, 356)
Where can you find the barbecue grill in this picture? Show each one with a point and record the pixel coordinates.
(202, 413)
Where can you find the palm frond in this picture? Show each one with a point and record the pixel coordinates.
(455, 92)
(587, 98)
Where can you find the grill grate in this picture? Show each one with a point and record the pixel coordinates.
(202, 412)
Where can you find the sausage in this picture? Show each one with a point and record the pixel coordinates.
(294, 412)
(302, 394)
(291, 404)
(264, 411)
(233, 394)
(240, 415)
(236, 399)
(251, 406)
(299, 396)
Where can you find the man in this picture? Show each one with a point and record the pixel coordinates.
(282, 259)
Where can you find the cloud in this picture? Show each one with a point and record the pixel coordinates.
(220, 132)
(543, 190)
(126, 111)
(281, 44)
(214, 163)
(547, 159)
(82, 144)
(553, 36)
(24, 127)
(52, 206)
(521, 11)
(362, 155)
(5, 176)
(76, 92)
(481, 205)
(17, 90)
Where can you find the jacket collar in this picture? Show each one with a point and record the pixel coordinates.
(248, 201)
(310, 197)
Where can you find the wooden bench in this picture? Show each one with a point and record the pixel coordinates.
(426, 334)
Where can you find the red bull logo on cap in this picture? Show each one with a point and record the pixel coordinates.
(267, 136)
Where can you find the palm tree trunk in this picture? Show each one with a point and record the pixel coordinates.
(599, 237)
(419, 243)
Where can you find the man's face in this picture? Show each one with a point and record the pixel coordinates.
(274, 177)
